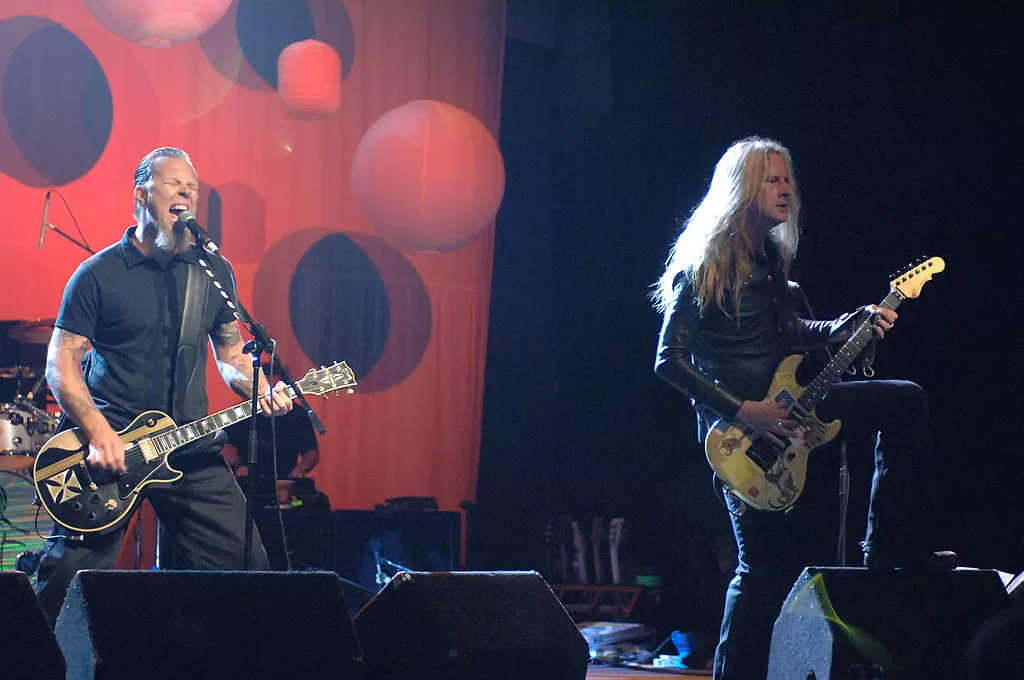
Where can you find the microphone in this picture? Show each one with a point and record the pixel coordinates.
(31, 394)
(188, 220)
(46, 213)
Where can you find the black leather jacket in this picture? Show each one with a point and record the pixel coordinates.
(719, 360)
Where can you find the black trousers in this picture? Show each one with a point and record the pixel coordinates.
(203, 514)
(775, 547)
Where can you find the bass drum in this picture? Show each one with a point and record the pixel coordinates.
(23, 431)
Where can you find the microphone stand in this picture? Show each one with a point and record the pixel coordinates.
(379, 561)
(260, 343)
(72, 239)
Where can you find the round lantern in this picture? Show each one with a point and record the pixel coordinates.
(309, 80)
(428, 176)
(158, 23)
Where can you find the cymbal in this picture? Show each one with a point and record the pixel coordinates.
(16, 372)
(33, 332)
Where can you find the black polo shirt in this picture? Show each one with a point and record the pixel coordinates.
(129, 307)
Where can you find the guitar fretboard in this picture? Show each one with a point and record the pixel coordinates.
(763, 451)
(166, 442)
(843, 359)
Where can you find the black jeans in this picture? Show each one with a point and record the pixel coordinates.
(203, 514)
(774, 547)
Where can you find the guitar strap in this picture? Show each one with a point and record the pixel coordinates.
(192, 335)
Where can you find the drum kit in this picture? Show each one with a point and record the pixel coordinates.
(28, 418)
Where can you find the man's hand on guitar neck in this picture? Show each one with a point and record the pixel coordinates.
(768, 418)
(276, 402)
(882, 319)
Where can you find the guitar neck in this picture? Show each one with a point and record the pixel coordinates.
(189, 432)
(843, 359)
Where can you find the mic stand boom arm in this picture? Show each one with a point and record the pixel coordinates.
(72, 239)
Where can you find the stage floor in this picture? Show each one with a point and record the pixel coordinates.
(595, 672)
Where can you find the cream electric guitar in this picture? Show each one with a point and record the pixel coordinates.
(616, 530)
(85, 502)
(580, 559)
(596, 540)
(767, 476)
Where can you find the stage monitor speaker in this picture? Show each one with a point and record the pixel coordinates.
(845, 623)
(418, 541)
(1015, 588)
(469, 626)
(125, 625)
(28, 648)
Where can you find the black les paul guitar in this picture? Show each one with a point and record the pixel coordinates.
(88, 502)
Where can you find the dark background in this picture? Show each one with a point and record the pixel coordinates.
(905, 124)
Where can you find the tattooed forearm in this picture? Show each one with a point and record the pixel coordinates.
(237, 373)
(227, 335)
(64, 376)
(235, 367)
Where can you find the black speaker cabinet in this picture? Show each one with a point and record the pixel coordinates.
(28, 648)
(418, 541)
(207, 624)
(308, 533)
(470, 626)
(850, 623)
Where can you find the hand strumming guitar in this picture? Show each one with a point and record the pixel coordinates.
(767, 418)
(106, 449)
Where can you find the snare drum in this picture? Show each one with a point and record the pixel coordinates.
(22, 433)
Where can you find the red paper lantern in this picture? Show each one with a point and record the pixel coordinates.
(428, 176)
(309, 80)
(158, 23)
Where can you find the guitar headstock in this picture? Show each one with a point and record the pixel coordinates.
(597, 529)
(337, 376)
(577, 533)
(615, 531)
(912, 280)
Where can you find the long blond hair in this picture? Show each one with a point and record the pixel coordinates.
(715, 244)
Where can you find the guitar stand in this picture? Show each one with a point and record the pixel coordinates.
(158, 560)
(844, 502)
(592, 599)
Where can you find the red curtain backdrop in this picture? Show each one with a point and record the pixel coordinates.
(81, 106)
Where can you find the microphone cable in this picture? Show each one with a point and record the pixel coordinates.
(75, 221)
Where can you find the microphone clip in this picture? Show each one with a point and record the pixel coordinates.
(188, 220)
